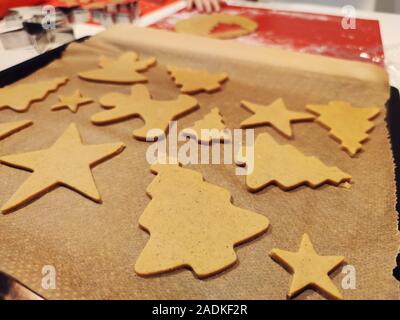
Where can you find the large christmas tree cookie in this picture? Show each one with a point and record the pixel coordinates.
(193, 224)
(287, 167)
(347, 124)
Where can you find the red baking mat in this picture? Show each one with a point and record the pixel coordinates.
(305, 32)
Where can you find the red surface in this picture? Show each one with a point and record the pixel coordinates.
(6, 4)
(152, 5)
(305, 32)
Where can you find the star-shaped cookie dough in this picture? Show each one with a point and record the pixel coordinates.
(66, 163)
(309, 269)
(71, 102)
(276, 115)
(8, 128)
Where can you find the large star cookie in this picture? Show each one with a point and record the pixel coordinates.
(66, 163)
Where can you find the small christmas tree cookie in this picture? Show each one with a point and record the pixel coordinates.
(209, 129)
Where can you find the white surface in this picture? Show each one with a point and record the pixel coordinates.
(389, 23)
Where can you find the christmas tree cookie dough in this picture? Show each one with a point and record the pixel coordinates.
(66, 163)
(276, 115)
(9, 128)
(347, 124)
(309, 269)
(71, 102)
(193, 81)
(209, 129)
(156, 114)
(287, 167)
(203, 25)
(124, 70)
(192, 223)
(19, 97)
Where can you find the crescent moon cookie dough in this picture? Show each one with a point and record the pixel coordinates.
(309, 269)
(209, 129)
(20, 97)
(71, 102)
(287, 167)
(192, 223)
(124, 70)
(156, 114)
(203, 25)
(347, 124)
(276, 115)
(66, 163)
(194, 81)
(9, 128)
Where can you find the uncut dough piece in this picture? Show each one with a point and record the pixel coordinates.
(349, 125)
(66, 163)
(192, 223)
(124, 70)
(71, 102)
(275, 114)
(193, 81)
(309, 269)
(287, 167)
(156, 114)
(9, 128)
(213, 123)
(203, 25)
(19, 97)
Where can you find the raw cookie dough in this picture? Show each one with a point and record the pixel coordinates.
(66, 163)
(213, 125)
(8, 128)
(156, 114)
(193, 81)
(123, 70)
(287, 167)
(349, 125)
(276, 115)
(19, 97)
(309, 269)
(192, 223)
(71, 102)
(203, 25)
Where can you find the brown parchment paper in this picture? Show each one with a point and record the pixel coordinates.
(93, 247)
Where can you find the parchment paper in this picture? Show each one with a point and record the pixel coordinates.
(93, 247)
